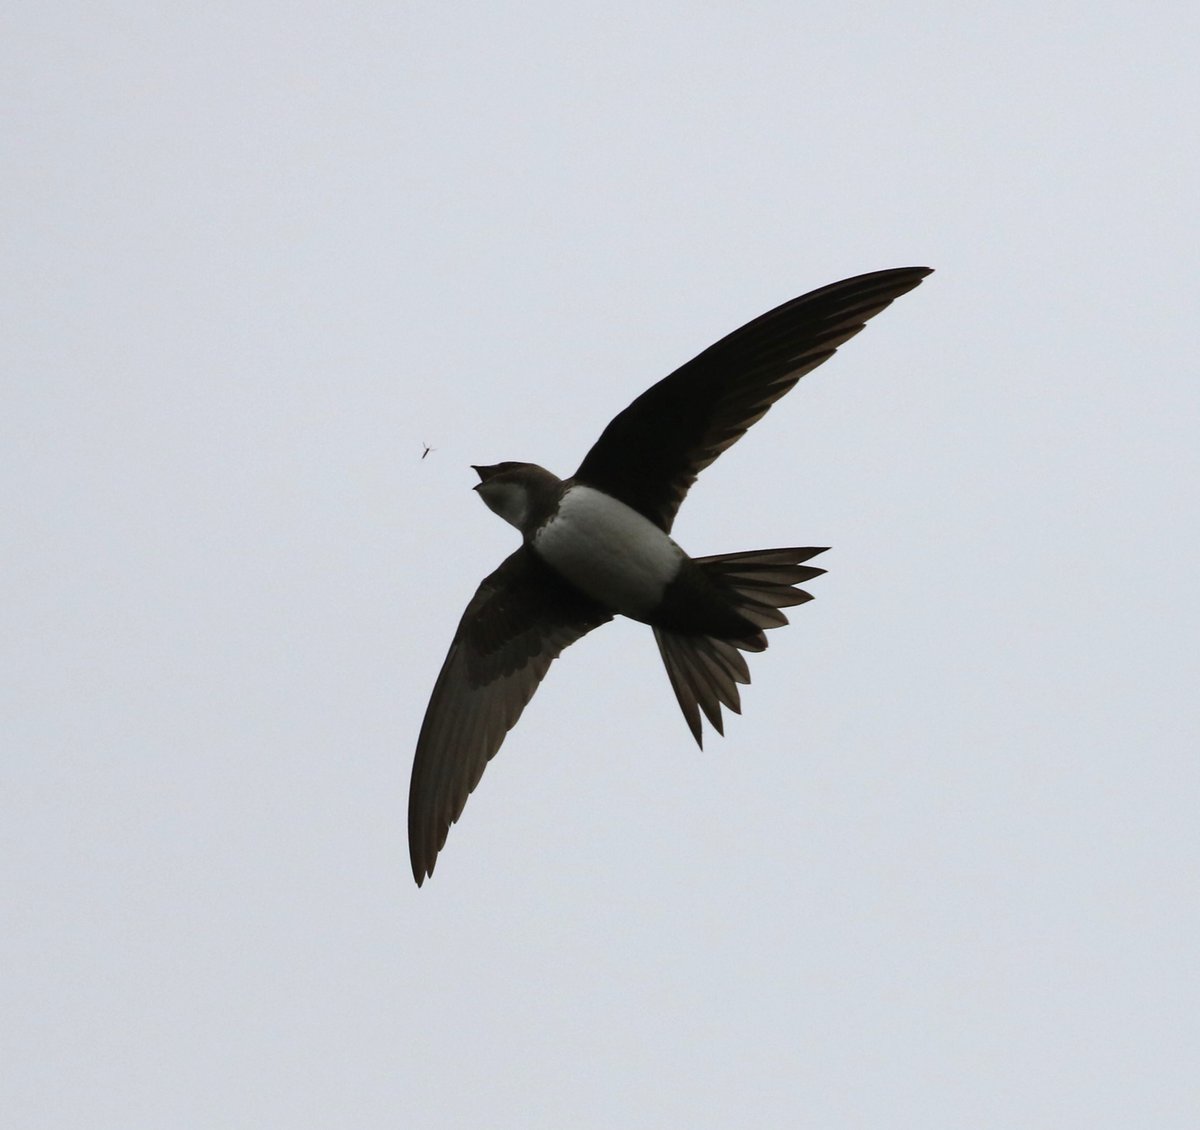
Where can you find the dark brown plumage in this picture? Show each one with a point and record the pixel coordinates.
(525, 613)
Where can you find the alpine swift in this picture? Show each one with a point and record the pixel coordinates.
(598, 545)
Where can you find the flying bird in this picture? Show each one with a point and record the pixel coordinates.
(598, 545)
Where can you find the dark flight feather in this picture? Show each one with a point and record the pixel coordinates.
(651, 453)
(517, 623)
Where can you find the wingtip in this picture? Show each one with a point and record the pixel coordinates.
(420, 859)
(897, 281)
(909, 277)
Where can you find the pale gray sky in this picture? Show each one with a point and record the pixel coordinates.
(944, 873)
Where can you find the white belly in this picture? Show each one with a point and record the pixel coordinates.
(609, 551)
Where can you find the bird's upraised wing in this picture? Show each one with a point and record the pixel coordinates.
(651, 453)
(519, 620)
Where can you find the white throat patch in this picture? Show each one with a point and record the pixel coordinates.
(509, 500)
(609, 551)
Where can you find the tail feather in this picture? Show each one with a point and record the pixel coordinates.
(705, 670)
(704, 675)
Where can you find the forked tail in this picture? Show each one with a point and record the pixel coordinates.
(705, 670)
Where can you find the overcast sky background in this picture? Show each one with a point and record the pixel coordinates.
(945, 872)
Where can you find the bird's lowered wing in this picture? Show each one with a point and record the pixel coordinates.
(516, 624)
(651, 453)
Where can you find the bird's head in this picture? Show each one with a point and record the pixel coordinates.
(516, 491)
